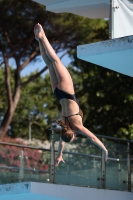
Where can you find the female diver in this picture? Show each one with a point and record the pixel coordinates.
(63, 89)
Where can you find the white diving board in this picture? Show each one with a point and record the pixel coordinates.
(116, 54)
(47, 191)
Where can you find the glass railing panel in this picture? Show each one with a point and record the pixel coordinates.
(19, 164)
(82, 165)
(132, 174)
(9, 164)
(116, 166)
(36, 165)
(131, 150)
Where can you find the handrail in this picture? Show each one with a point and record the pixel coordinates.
(65, 152)
(94, 156)
(18, 168)
(24, 146)
(113, 138)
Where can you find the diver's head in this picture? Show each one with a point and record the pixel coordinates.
(67, 135)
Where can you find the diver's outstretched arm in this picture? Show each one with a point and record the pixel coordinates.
(60, 151)
(94, 140)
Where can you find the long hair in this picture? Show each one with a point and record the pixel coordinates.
(66, 133)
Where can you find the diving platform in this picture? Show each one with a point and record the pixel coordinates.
(86, 8)
(47, 191)
(115, 54)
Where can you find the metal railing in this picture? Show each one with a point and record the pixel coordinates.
(22, 169)
(55, 175)
(128, 160)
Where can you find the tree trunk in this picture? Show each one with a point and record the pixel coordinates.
(9, 114)
(6, 122)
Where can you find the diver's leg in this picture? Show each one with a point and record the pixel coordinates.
(64, 79)
(53, 77)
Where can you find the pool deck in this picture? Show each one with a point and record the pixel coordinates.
(48, 191)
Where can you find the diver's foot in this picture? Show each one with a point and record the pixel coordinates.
(38, 31)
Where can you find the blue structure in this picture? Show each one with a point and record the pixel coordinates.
(115, 54)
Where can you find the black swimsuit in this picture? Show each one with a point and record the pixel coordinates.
(59, 94)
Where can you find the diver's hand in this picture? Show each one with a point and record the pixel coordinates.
(58, 160)
(106, 155)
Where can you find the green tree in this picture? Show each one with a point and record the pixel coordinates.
(36, 109)
(17, 42)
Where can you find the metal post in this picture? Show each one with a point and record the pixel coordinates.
(21, 171)
(110, 20)
(52, 170)
(129, 166)
(30, 128)
(103, 170)
(119, 172)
